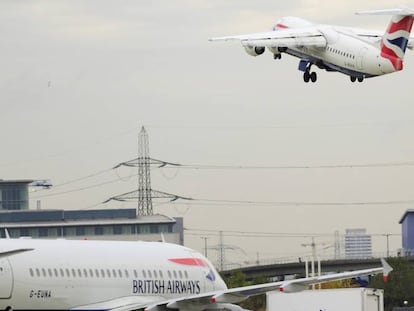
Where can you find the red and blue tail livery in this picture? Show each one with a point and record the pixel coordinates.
(395, 40)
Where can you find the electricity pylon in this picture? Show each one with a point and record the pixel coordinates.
(144, 194)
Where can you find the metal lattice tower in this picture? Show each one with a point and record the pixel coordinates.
(144, 194)
(221, 253)
(144, 175)
(337, 245)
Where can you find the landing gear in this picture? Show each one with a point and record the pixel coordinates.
(360, 78)
(309, 76)
(277, 56)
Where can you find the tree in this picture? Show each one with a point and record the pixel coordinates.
(400, 285)
(238, 279)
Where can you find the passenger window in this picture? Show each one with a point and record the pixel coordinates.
(169, 274)
(135, 274)
(37, 272)
(114, 273)
(49, 271)
(144, 274)
(175, 274)
(67, 273)
(62, 274)
(155, 274)
(31, 272)
(186, 274)
(160, 273)
(73, 273)
(85, 273)
(149, 274)
(44, 272)
(79, 273)
(91, 273)
(102, 273)
(181, 274)
(97, 273)
(108, 273)
(126, 273)
(56, 272)
(120, 273)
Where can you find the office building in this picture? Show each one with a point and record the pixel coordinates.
(357, 244)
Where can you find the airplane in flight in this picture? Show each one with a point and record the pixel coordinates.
(38, 274)
(358, 53)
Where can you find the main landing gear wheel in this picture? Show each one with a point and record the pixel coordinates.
(360, 78)
(277, 56)
(309, 76)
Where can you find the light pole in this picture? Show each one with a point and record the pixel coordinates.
(205, 245)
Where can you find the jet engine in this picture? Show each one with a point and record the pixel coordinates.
(254, 50)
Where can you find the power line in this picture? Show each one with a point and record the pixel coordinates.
(77, 189)
(264, 234)
(296, 203)
(280, 167)
(79, 179)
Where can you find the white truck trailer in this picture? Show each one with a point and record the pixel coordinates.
(344, 299)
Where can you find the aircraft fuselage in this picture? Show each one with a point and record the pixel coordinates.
(61, 275)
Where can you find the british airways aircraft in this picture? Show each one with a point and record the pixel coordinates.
(124, 276)
(358, 53)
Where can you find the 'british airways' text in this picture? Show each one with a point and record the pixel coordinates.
(162, 287)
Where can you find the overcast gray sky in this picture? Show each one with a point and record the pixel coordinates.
(79, 78)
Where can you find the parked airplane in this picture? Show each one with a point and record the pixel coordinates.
(103, 275)
(358, 53)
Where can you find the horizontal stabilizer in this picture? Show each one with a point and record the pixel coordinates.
(397, 11)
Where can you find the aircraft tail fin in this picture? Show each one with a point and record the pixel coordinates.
(395, 40)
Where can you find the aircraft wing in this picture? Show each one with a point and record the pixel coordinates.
(308, 36)
(214, 300)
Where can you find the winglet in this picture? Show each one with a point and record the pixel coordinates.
(386, 269)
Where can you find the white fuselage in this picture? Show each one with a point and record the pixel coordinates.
(358, 53)
(346, 52)
(62, 274)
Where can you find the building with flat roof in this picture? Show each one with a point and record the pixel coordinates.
(407, 228)
(108, 224)
(14, 194)
(357, 244)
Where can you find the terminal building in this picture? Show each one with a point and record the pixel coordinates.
(99, 224)
(14, 194)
